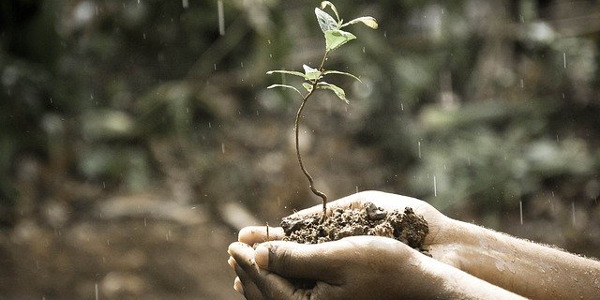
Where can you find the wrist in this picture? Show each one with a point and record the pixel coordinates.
(448, 282)
(449, 242)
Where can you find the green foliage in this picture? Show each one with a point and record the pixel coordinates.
(334, 39)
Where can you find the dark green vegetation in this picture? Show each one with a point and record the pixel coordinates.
(124, 101)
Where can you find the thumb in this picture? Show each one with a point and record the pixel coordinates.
(292, 260)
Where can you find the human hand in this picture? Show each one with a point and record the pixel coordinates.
(360, 267)
(437, 241)
(356, 262)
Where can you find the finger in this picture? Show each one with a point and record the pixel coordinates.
(237, 285)
(245, 286)
(258, 282)
(257, 234)
(231, 262)
(292, 260)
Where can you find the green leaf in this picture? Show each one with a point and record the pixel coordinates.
(326, 22)
(369, 21)
(341, 73)
(336, 38)
(336, 89)
(324, 4)
(285, 86)
(307, 86)
(295, 73)
(311, 73)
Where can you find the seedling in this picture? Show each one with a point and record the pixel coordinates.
(335, 37)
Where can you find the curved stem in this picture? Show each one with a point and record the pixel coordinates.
(311, 183)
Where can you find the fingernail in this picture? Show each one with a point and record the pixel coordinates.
(231, 262)
(261, 256)
(237, 285)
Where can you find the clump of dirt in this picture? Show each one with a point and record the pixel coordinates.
(369, 219)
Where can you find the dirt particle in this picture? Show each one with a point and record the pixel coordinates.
(369, 219)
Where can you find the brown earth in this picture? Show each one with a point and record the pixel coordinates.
(369, 219)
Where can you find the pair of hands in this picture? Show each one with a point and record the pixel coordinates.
(361, 267)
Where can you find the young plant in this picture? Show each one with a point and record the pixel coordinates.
(335, 37)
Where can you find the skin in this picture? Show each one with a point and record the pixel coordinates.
(469, 262)
(264, 273)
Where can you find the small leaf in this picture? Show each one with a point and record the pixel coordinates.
(369, 21)
(324, 4)
(307, 86)
(341, 73)
(285, 86)
(336, 89)
(311, 73)
(336, 38)
(326, 22)
(295, 73)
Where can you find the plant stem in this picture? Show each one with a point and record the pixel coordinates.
(311, 183)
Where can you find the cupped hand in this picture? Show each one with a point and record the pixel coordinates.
(360, 267)
(439, 225)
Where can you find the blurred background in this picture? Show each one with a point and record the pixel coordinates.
(138, 136)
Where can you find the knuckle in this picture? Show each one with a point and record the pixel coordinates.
(284, 259)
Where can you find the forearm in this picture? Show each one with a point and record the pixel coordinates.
(451, 283)
(521, 266)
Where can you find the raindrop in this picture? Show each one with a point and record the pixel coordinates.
(356, 188)
(215, 67)
(185, 3)
(573, 210)
(242, 65)
(209, 125)
(434, 187)
(364, 51)
(96, 292)
(500, 265)
(402, 106)
(385, 34)
(221, 17)
(223, 148)
(103, 185)
(144, 35)
(522, 83)
(564, 60)
(521, 211)
(419, 143)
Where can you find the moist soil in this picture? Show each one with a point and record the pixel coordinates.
(369, 219)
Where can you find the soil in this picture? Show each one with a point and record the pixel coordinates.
(369, 219)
